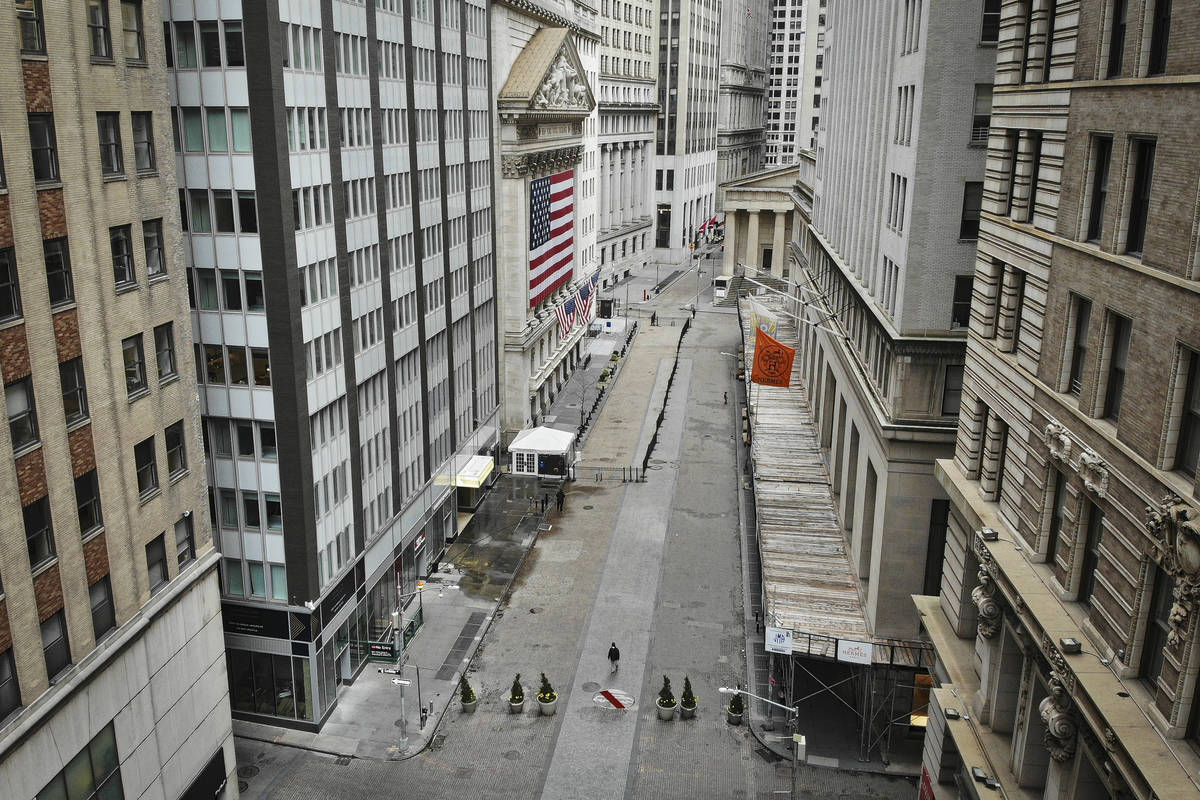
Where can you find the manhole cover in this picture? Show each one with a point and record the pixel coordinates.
(513, 755)
(242, 786)
(398, 723)
(656, 466)
(247, 771)
(588, 508)
(438, 741)
(536, 610)
(590, 686)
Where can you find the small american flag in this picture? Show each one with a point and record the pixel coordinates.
(567, 313)
(585, 301)
(551, 233)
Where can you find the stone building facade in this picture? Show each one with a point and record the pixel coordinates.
(894, 227)
(742, 90)
(112, 668)
(1066, 623)
(627, 108)
(545, 66)
(337, 179)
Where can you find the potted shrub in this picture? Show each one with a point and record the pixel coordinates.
(467, 695)
(735, 710)
(516, 696)
(665, 701)
(547, 698)
(687, 700)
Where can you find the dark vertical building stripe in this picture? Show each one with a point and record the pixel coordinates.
(470, 190)
(272, 176)
(446, 294)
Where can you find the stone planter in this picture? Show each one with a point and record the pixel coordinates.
(516, 706)
(665, 713)
(469, 708)
(733, 719)
(547, 708)
(686, 713)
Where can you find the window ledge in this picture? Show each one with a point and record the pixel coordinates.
(126, 288)
(56, 183)
(92, 534)
(65, 305)
(139, 63)
(40, 568)
(138, 394)
(149, 495)
(82, 422)
(12, 323)
(26, 449)
(115, 177)
(167, 380)
(103, 61)
(148, 173)
(34, 55)
(175, 477)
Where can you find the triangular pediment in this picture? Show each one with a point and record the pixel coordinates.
(547, 77)
(775, 178)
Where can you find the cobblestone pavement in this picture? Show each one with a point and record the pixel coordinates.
(569, 595)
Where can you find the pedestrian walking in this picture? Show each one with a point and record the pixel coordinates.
(561, 498)
(545, 501)
(726, 396)
(614, 657)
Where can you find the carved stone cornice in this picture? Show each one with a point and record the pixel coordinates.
(532, 163)
(1094, 471)
(991, 613)
(1061, 725)
(549, 17)
(1175, 526)
(1058, 440)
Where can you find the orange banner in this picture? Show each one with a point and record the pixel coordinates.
(772, 361)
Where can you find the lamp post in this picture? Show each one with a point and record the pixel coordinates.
(800, 751)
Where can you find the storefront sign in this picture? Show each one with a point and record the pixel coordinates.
(854, 652)
(419, 542)
(254, 621)
(779, 640)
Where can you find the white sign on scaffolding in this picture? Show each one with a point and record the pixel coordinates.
(854, 652)
(779, 640)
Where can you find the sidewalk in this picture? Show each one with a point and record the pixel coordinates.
(378, 719)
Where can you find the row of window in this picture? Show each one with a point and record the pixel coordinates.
(226, 290)
(32, 28)
(215, 129)
(249, 439)
(229, 365)
(43, 143)
(220, 44)
(218, 211)
(249, 510)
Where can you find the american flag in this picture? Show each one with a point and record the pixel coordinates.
(585, 301)
(551, 233)
(566, 315)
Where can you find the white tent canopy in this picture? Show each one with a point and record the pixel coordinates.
(543, 440)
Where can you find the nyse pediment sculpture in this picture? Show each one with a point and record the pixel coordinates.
(546, 83)
(1175, 526)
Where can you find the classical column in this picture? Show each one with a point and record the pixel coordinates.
(602, 197)
(623, 183)
(614, 186)
(779, 245)
(752, 246)
(730, 259)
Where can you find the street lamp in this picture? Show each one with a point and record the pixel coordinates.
(801, 749)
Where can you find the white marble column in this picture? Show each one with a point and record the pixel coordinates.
(730, 260)
(601, 221)
(779, 245)
(752, 246)
(614, 186)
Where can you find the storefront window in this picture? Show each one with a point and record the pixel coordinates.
(303, 684)
(241, 681)
(285, 701)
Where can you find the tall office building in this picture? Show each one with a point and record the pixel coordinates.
(112, 669)
(628, 106)
(889, 265)
(1066, 624)
(794, 81)
(545, 65)
(685, 144)
(741, 97)
(337, 198)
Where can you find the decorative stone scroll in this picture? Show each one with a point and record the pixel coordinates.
(1175, 526)
(1058, 440)
(1061, 726)
(516, 166)
(1094, 471)
(984, 595)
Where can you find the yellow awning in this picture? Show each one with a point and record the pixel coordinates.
(474, 472)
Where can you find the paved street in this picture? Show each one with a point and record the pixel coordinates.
(654, 566)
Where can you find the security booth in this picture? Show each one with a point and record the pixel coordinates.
(471, 476)
(542, 451)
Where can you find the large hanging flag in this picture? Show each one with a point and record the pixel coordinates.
(772, 361)
(585, 296)
(566, 313)
(551, 233)
(762, 317)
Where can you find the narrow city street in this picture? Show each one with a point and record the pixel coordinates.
(654, 566)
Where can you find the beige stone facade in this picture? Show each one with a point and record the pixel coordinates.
(1066, 621)
(106, 527)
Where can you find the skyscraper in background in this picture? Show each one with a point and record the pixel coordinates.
(794, 83)
(745, 31)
